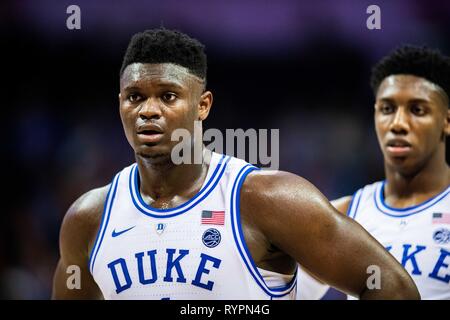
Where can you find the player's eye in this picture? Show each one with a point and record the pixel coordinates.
(386, 108)
(134, 97)
(418, 109)
(169, 97)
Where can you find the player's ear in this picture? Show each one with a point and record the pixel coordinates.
(206, 100)
(447, 123)
(119, 97)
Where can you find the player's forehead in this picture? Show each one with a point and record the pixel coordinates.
(141, 74)
(408, 87)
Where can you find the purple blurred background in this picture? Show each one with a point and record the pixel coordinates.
(300, 66)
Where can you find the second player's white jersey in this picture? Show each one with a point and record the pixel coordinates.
(418, 237)
(193, 251)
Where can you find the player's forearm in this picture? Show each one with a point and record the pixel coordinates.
(393, 288)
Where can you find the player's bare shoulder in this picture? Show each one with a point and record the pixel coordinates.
(342, 204)
(78, 232)
(264, 186)
(82, 221)
(268, 202)
(270, 198)
(268, 187)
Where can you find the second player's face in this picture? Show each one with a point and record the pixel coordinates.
(411, 121)
(155, 100)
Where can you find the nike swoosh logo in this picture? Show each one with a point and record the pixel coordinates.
(115, 234)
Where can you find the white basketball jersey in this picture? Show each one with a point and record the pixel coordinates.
(193, 251)
(418, 237)
(308, 288)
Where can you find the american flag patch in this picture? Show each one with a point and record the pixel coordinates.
(441, 217)
(213, 217)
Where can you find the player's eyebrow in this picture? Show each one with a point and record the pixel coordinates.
(418, 100)
(386, 99)
(170, 84)
(131, 88)
(393, 100)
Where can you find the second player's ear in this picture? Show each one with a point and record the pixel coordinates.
(204, 105)
(447, 123)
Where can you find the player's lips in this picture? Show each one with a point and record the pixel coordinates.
(150, 133)
(398, 147)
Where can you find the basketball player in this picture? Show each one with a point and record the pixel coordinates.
(221, 229)
(409, 212)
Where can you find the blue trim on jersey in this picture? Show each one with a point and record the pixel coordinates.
(349, 209)
(357, 204)
(139, 196)
(382, 206)
(288, 286)
(200, 196)
(244, 252)
(103, 225)
(297, 279)
(355, 198)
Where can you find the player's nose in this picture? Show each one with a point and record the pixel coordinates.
(400, 122)
(150, 109)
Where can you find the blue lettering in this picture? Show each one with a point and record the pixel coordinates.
(440, 264)
(123, 265)
(139, 256)
(147, 270)
(201, 270)
(175, 263)
(411, 257)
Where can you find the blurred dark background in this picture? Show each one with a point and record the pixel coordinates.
(300, 66)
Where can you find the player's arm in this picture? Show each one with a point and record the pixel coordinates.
(296, 218)
(78, 232)
(342, 205)
(315, 289)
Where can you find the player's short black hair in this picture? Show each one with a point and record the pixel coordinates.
(166, 46)
(422, 62)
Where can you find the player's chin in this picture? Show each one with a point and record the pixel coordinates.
(404, 164)
(153, 152)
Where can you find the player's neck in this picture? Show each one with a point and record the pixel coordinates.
(412, 189)
(167, 180)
